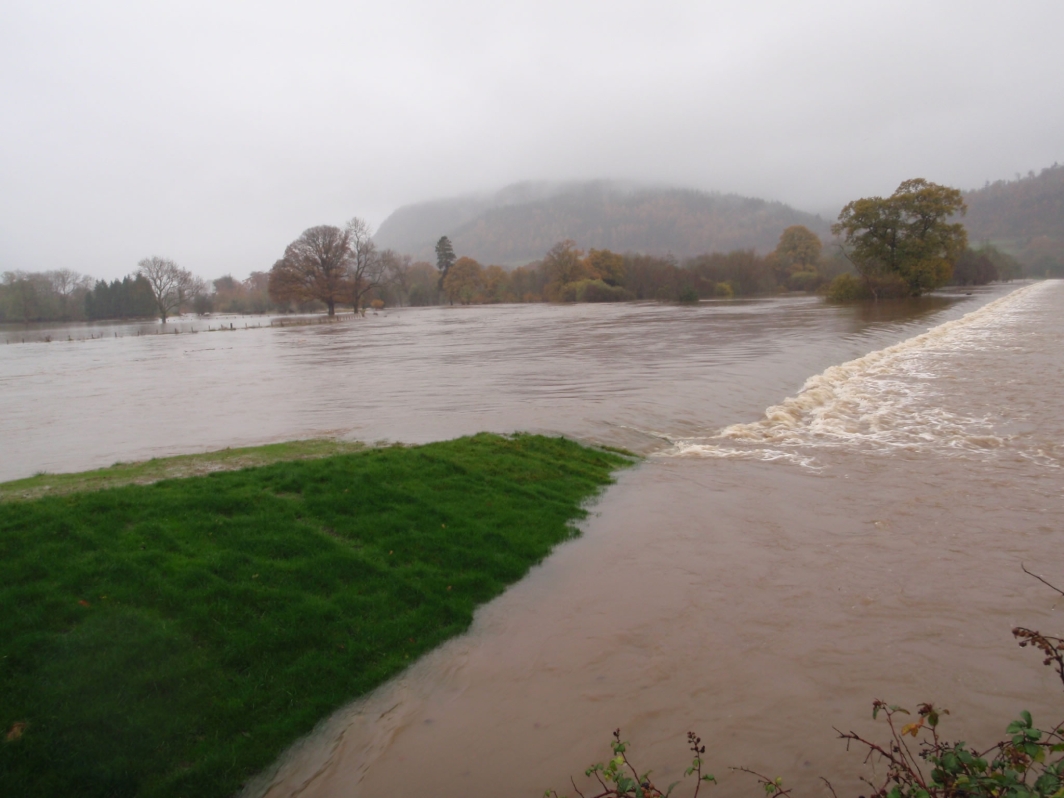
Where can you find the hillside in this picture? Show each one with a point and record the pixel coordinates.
(1024, 217)
(521, 222)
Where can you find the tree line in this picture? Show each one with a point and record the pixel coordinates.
(1025, 217)
(341, 267)
(899, 246)
(159, 288)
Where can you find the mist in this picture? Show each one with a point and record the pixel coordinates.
(214, 133)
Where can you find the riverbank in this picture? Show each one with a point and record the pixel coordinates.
(174, 638)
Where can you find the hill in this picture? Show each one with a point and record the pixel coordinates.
(1024, 217)
(521, 222)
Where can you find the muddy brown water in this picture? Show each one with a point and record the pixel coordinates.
(834, 507)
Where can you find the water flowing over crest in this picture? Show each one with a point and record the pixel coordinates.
(909, 396)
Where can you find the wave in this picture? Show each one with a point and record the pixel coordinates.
(887, 400)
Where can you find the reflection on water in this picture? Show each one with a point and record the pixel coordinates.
(755, 600)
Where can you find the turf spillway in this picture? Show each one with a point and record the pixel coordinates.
(173, 639)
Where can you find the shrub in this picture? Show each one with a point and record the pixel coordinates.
(804, 281)
(847, 288)
(688, 294)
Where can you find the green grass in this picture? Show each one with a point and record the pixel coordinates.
(172, 639)
(187, 465)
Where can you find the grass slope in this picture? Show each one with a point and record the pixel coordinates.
(185, 465)
(172, 639)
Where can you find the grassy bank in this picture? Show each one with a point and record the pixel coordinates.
(172, 639)
(186, 465)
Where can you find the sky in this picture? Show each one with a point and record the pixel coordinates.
(215, 132)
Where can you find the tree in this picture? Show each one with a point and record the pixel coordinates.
(497, 285)
(422, 284)
(71, 288)
(445, 257)
(606, 266)
(798, 249)
(906, 239)
(367, 268)
(170, 284)
(1007, 267)
(974, 268)
(24, 296)
(563, 265)
(314, 267)
(464, 281)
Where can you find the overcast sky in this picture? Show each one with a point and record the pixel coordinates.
(214, 132)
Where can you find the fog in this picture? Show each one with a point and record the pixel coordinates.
(213, 133)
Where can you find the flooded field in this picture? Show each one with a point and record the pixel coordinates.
(834, 508)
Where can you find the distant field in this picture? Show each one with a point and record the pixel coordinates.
(171, 639)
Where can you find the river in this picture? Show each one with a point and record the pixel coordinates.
(834, 507)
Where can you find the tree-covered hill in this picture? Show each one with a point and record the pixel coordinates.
(1024, 217)
(520, 223)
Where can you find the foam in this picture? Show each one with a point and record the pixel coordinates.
(886, 400)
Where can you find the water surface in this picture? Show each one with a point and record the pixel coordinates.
(834, 508)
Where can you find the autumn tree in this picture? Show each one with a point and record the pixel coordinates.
(563, 265)
(497, 285)
(464, 281)
(170, 284)
(905, 239)
(606, 266)
(314, 267)
(798, 249)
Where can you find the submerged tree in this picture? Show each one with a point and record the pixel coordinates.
(314, 267)
(798, 249)
(606, 266)
(368, 268)
(904, 243)
(563, 265)
(464, 281)
(170, 284)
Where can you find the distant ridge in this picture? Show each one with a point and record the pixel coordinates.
(519, 223)
(1024, 217)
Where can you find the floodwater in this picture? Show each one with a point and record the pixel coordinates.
(834, 508)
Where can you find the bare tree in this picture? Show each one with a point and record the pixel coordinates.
(368, 268)
(170, 284)
(67, 284)
(399, 275)
(314, 266)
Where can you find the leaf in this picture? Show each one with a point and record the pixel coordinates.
(16, 731)
(1028, 721)
(912, 729)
